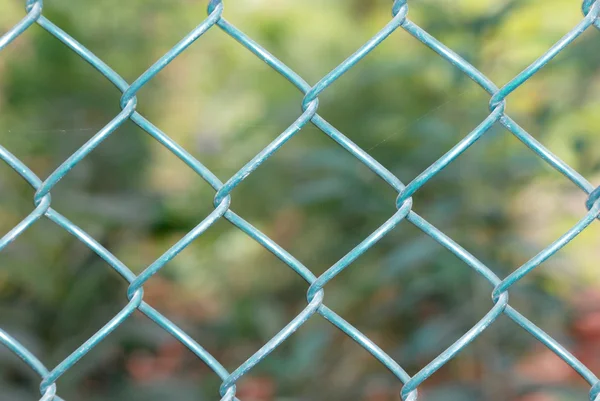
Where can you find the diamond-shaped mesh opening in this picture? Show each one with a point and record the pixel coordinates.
(493, 197)
(66, 102)
(318, 195)
(227, 113)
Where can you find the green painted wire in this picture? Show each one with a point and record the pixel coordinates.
(222, 200)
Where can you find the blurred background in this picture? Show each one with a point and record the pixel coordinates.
(403, 104)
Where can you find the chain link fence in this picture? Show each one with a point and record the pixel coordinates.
(222, 200)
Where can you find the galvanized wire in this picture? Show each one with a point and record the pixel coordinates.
(222, 199)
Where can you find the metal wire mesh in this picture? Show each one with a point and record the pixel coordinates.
(222, 199)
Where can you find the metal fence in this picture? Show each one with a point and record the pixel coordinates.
(222, 199)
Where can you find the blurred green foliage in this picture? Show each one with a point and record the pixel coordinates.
(403, 104)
